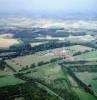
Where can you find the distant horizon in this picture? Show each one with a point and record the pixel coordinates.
(52, 16)
(48, 8)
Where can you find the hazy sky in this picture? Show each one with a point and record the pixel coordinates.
(51, 6)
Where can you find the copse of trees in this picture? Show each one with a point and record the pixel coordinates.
(2, 64)
(33, 65)
(77, 53)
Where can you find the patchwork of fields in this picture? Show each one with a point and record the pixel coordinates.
(44, 56)
(43, 59)
(20, 62)
(51, 75)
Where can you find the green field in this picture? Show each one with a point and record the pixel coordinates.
(48, 73)
(80, 39)
(3, 73)
(52, 76)
(23, 61)
(89, 78)
(83, 95)
(92, 55)
(77, 48)
(20, 62)
(9, 81)
(76, 87)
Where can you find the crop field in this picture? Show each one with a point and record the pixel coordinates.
(41, 59)
(77, 48)
(6, 42)
(83, 95)
(51, 74)
(3, 73)
(89, 78)
(80, 39)
(70, 50)
(7, 79)
(92, 55)
(23, 61)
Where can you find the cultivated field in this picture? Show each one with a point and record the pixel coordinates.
(80, 39)
(7, 42)
(48, 72)
(7, 79)
(92, 55)
(77, 48)
(24, 61)
(89, 78)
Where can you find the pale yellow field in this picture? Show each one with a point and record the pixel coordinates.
(7, 42)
